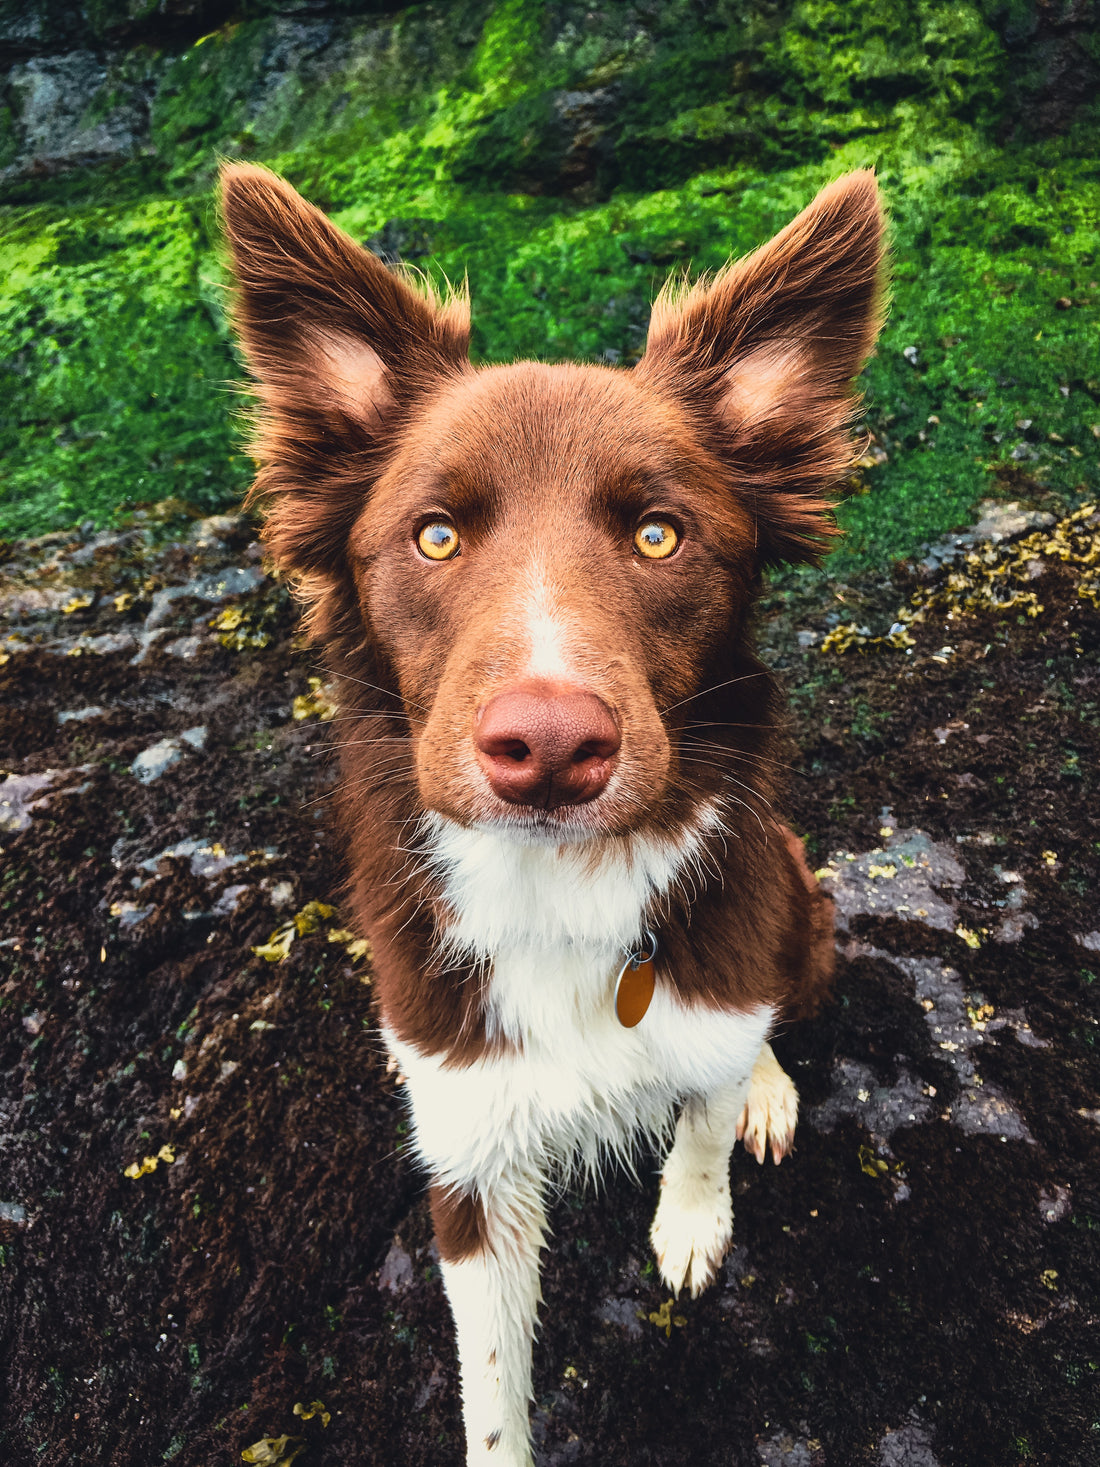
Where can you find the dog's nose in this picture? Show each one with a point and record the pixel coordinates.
(546, 745)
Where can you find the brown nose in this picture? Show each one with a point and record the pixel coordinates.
(546, 745)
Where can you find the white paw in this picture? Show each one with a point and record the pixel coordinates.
(691, 1233)
(771, 1110)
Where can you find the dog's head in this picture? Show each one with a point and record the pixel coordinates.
(548, 564)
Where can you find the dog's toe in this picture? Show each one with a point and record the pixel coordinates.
(771, 1110)
(691, 1236)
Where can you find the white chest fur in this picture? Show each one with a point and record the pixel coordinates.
(570, 1085)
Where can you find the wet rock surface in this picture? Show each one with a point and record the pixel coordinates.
(91, 84)
(207, 1216)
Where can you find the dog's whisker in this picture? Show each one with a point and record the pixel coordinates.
(733, 753)
(363, 743)
(380, 779)
(745, 805)
(708, 761)
(750, 768)
(725, 775)
(375, 687)
(714, 688)
(353, 715)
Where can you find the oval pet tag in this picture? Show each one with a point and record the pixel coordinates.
(635, 984)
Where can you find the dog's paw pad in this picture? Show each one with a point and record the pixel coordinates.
(691, 1237)
(770, 1114)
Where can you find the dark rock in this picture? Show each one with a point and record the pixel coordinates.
(72, 110)
(908, 1446)
(558, 142)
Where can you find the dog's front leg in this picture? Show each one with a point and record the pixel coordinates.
(693, 1226)
(489, 1244)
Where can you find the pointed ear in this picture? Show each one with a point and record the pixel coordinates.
(340, 347)
(766, 352)
(327, 328)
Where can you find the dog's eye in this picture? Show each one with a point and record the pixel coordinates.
(438, 540)
(655, 539)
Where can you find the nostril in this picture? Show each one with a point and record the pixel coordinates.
(503, 746)
(597, 749)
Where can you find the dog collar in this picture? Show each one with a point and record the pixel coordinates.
(634, 985)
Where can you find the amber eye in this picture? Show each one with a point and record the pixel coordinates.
(438, 540)
(655, 539)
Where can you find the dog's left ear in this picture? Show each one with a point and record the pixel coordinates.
(766, 353)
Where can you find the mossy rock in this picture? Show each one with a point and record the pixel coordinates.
(569, 159)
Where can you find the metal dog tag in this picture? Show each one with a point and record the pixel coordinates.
(634, 986)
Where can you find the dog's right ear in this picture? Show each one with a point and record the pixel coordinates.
(340, 347)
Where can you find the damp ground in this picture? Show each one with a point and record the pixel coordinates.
(212, 1239)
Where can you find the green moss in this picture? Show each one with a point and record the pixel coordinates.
(116, 363)
(997, 286)
(9, 144)
(567, 158)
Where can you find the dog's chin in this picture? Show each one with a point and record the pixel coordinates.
(565, 825)
(612, 814)
(529, 826)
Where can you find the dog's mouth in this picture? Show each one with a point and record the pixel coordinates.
(564, 825)
(526, 786)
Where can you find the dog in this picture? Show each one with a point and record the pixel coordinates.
(534, 584)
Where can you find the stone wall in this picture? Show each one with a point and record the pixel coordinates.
(99, 84)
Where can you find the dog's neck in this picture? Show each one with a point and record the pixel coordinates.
(504, 895)
(550, 925)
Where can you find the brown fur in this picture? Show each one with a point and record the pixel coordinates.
(733, 426)
(460, 1224)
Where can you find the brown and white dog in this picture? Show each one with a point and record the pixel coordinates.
(534, 584)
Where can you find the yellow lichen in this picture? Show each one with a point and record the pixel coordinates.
(664, 1318)
(355, 947)
(237, 629)
(311, 916)
(309, 920)
(849, 635)
(278, 945)
(994, 577)
(274, 1451)
(228, 620)
(314, 704)
(870, 1164)
(315, 1408)
(149, 1164)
